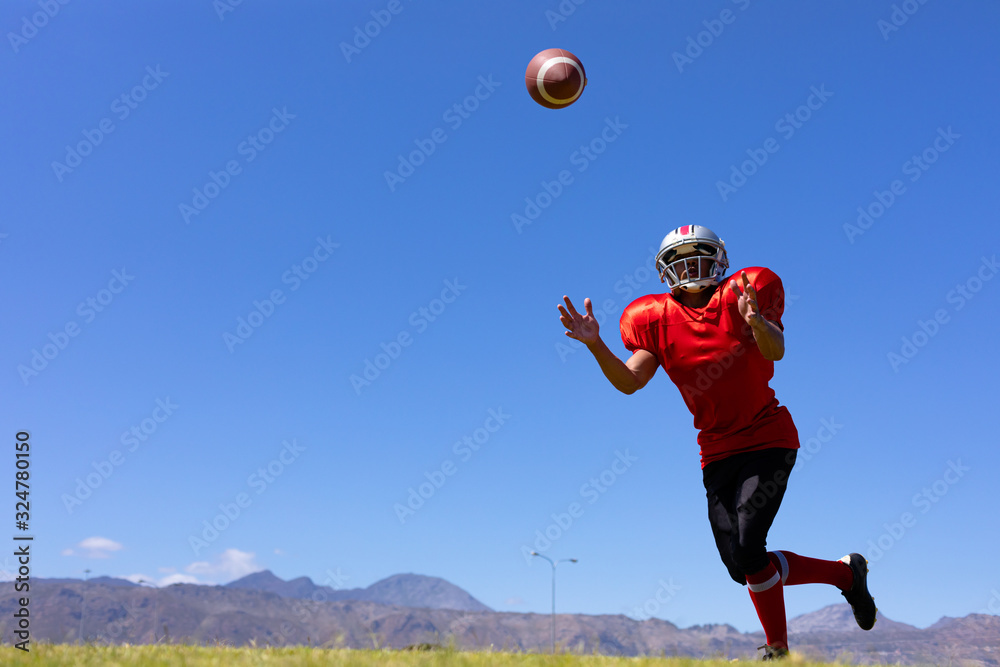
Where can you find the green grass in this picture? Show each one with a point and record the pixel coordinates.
(208, 656)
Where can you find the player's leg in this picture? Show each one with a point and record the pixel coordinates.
(720, 490)
(849, 574)
(796, 570)
(761, 486)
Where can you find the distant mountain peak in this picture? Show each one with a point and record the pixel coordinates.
(403, 590)
(839, 618)
(261, 576)
(420, 590)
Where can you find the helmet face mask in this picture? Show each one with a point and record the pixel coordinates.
(690, 273)
(692, 258)
(705, 249)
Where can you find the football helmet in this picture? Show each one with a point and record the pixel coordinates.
(701, 241)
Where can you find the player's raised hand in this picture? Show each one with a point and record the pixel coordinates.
(747, 300)
(584, 328)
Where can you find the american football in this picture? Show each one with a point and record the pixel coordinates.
(555, 78)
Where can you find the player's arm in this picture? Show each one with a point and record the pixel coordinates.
(770, 339)
(626, 376)
(768, 335)
(629, 376)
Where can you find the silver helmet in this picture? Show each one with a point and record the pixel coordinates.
(703, 242)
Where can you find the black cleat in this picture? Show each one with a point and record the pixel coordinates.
(773, 652)
(861, 601)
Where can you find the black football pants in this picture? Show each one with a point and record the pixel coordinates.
(744, 492)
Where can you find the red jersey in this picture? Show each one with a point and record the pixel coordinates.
(711, 355)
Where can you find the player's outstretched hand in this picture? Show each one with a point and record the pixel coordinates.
(584, 328)
(747, 300)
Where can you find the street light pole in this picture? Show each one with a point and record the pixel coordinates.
(553, 564)
(83, 603)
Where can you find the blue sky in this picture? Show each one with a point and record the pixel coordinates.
(202, 257)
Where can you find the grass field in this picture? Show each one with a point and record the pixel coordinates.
(202, 656)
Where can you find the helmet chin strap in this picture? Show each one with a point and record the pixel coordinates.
(696, 289)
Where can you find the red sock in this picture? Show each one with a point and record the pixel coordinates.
(769, 600)
(796, 569)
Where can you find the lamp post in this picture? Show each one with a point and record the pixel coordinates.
(553, 563)
(156, 599)
(83, 603)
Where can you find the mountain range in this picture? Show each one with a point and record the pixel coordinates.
(409, 609)
(402, 590)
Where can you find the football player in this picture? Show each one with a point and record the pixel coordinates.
(717, 338)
